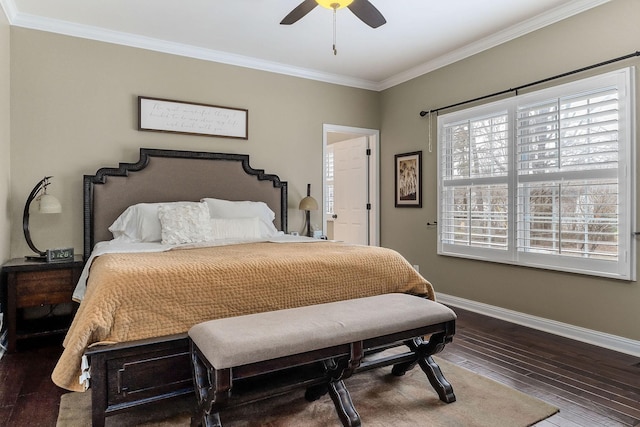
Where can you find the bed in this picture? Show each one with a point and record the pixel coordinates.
(128, 338)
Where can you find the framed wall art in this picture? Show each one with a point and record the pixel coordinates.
(165, 115)
(408, 182)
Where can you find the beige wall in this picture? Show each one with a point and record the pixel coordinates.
(74, 110)
(600, 34)
(5, 136)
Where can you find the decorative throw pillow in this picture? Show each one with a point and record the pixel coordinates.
(184, 223)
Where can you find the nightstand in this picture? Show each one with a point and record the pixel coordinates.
(27, 283)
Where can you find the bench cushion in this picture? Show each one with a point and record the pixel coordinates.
(236, 341)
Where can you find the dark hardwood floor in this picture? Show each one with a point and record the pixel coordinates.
(591, 386)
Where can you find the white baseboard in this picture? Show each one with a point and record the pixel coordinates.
(601, 339)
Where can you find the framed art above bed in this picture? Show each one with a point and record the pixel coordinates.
(189, 118)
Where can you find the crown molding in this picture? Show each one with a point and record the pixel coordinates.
(9, 8)
(18, 19)
(131, 40)
(508, 34)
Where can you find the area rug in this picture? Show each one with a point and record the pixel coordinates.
(380, 398)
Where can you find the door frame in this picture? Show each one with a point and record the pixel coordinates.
(373, 136)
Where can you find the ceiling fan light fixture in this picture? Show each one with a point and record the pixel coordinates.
(334, 4)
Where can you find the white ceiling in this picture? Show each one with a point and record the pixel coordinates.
(419, 36)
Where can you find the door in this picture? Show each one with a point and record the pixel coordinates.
(350, 217)
(354, 185)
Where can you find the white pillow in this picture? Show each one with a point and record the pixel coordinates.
(235, 228)
(140, 222)
(184, 223)
(219, 208)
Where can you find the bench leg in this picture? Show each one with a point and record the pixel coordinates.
(344, 406)
(437, 380)
(337, 370)
(424, 351)
(207, 420)
(210, 398)
(434, 374)
(212, 390)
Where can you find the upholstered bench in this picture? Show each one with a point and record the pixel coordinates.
(315, 347)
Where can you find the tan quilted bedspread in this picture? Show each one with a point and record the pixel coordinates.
(144, 295)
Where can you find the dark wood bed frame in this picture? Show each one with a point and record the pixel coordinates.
(131, 374)
(135, 373)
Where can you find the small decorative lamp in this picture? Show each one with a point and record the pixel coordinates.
(46, 204)
(308, 204)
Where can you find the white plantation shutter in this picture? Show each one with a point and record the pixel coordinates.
(474, 194)
(544, 179)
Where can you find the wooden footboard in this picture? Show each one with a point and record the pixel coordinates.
(136, 373)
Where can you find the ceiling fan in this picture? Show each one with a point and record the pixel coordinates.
(363, 9)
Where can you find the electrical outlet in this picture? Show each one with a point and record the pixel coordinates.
(416, 267)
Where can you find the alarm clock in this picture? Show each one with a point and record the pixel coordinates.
(62, 254)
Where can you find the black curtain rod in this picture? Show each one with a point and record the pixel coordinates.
(516, 89)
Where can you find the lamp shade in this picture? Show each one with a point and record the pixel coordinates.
(308, 204)
(49, 204)
(334, 4)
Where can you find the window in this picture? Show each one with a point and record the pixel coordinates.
(544, 179)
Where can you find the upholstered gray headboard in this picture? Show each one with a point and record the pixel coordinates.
(172, 175)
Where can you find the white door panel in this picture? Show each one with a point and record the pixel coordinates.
(351, 191)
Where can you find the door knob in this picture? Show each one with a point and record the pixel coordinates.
(334, 216)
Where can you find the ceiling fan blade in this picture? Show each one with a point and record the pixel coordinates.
(367, 13)
(299, 12)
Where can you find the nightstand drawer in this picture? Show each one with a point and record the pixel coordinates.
(36, 288)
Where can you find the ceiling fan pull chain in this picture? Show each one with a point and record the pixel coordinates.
(335, 7)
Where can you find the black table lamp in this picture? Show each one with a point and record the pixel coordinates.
(46, 204)
(308, 204)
